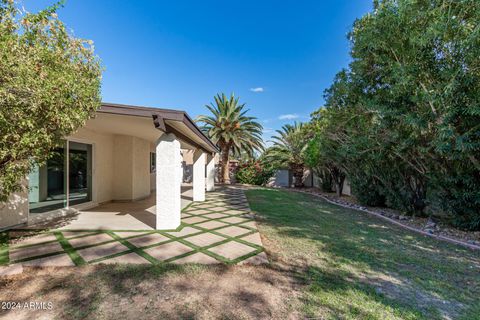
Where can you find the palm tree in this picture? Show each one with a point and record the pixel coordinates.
(288, 149)
(231, 130)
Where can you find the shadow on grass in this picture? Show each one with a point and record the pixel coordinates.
(153, 291)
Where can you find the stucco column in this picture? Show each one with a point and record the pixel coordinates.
(168, 182)
(210, 172)
(198, 175)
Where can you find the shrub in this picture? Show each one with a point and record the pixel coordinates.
(254, 172)
(326, 181)
(458, 195)
(367, 191)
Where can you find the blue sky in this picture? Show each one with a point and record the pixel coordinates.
(179, 54)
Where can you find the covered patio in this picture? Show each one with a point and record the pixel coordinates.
(219, 230)
(124, 170)
(135, 215)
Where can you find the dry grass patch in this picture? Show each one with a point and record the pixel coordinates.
(146, 292)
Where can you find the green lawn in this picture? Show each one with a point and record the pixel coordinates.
(355, 266)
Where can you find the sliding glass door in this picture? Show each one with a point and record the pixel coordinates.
(65, 180)
(80, 173)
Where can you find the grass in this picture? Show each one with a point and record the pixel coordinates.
(358, 267)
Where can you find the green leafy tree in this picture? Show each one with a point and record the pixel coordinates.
(417, 64)
(232, 130)
(323, 153)
(403, 119)
(49, 87)
(288, 149)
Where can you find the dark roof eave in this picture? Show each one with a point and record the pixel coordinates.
(165, 114)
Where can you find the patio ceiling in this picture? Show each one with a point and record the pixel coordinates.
(147, 122)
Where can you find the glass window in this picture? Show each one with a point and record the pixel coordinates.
(153, 162)
(47, 184)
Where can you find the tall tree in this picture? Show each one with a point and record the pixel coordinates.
(49, 86)
(405, 115)
(288, 150)
(232, 130)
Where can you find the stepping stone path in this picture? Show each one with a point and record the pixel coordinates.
(218, 230)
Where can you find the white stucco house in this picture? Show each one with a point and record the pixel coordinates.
(124, 154)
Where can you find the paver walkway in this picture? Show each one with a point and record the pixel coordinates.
(219, 230)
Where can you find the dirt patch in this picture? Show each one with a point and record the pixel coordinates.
(126, 292)
(403, 290)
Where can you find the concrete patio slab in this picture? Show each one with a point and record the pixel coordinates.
(148, 240)
(36, 250)
(194, 220)
(235, 220)
(235, 211)
(126, 234)
(201, 228)
(205, 239)
(184, 232)
(41, 238)
(101, 251)
(232, 250)
(215, 215)
(135, 215)
(199, 258)
(70, 234)
(198, 211)
(250, 224)
(61, 260)
(90, 240)
(219, 209)
(233, 231)
(203, 206)
(211, 224)
(168, 250)
(253, 238)
(131, 258)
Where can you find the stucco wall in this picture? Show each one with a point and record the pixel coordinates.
(122, 164)
(141, 168)
(132, 179)
(121, 168)
(280, 179)
(346, 188)
(15, 210)
(103, 158)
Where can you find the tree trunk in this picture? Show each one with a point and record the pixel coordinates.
(338, 178)
(225, 165)
(298, 175)
(339, 186)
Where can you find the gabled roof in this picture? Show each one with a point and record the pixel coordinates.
(167, 120)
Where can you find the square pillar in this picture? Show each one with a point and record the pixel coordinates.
(210, 172)
(168, 182)
(199, 175)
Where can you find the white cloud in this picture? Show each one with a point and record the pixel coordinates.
(288, 116)
(257, 90)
